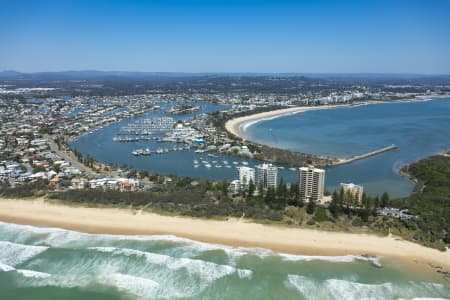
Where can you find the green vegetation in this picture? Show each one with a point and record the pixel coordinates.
(31, 189)
(431, 201)
(203, 198)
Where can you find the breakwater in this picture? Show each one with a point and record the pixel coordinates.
(341, 161)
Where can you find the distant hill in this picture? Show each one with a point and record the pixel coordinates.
(101, 75)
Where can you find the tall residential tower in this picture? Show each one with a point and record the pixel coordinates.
(267, 176)
(311, 183)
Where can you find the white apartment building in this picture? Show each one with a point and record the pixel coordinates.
(245, 175)
(267, 175)
(311, 183)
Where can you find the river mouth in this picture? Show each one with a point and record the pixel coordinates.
(418, 129)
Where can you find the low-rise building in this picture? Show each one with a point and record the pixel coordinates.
(356, 191)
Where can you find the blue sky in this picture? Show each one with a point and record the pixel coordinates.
(226, 36)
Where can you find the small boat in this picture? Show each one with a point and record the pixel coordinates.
(235, 163)
(137, 152)
(292, 169)
(195, 161)
(208, 165)
(228, 166)
(245, 163)
(196, 166)
(218, 166)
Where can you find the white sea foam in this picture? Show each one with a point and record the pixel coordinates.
(207, 271)
(344, 289)
(23, 272)
(5, 267)
(13, 254)
(33, 274)
(137, 286)
(244, 273)
(338, 259)
(183, 247)
(375, 260)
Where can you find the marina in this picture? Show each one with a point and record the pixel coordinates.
(376, 173)
(148, 126)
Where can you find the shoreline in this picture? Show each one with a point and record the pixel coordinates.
(235, 233)
(234, 126)
(237, 126)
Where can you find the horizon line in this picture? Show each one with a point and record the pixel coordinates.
(226, 72)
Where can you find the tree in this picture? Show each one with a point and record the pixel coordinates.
(385, 199)
(132, 174)
(57, 168)
(251, 188)
(270, 196)
(334, 207)
(260, 189)
(341, 198)
(224, 187)
(281, 193)
(311, 206)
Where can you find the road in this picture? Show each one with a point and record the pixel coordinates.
(69, 158)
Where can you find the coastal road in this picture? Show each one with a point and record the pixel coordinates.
(69, 158)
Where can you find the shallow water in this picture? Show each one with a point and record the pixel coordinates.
(41, 263)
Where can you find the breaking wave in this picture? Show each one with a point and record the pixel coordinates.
(169, 267)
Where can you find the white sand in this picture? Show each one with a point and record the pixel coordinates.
(234, 232)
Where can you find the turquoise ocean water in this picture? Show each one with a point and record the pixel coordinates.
(49, 263)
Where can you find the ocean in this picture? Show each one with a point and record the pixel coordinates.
(49, 263)
(418, 129)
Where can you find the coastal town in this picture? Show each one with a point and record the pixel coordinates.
(38, 128)
(224, 150)
(188, 153)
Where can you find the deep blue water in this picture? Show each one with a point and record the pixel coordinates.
(419, 129)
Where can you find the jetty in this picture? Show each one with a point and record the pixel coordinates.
(342, 161)
(148, 126)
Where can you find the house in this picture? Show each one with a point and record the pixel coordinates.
(54, 181)
(78, 183)
(127, 186)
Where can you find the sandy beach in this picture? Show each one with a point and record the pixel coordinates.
(233, 232)
(237, 126)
